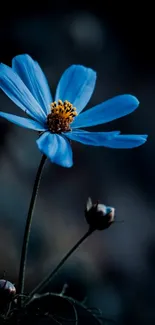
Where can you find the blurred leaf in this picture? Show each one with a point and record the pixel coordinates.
(55, 309)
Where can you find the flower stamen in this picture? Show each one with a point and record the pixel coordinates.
(62, 114)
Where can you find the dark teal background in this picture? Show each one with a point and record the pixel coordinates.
(114, 269)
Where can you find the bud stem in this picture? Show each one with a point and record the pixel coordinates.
(48, 279)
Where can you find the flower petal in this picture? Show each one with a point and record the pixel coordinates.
(15, 89)
(24, 122)
(107, 111)
(76, 85)
(127, 141)
(91, 138)
(56, 148)
(33, 77)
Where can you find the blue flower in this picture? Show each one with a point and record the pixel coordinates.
(59, 121)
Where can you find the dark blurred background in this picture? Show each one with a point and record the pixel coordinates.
(114, 269)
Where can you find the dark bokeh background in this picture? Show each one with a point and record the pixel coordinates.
(113, 269)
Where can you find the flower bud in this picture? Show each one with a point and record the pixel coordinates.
(7, 290)
(99, 216)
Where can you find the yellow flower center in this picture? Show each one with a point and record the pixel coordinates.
(62, 114)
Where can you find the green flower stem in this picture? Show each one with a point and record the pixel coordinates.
(48, 279)
(21, 278)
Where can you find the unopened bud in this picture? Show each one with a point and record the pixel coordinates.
(7, 290)
(99, 216)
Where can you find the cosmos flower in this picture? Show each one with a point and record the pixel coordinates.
(59, 121)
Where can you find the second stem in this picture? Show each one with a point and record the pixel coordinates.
(46, 281)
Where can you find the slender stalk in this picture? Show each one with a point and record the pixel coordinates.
(48, 279)
(21, 278)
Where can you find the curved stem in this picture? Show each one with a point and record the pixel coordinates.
(46, 281)
(23, 259)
